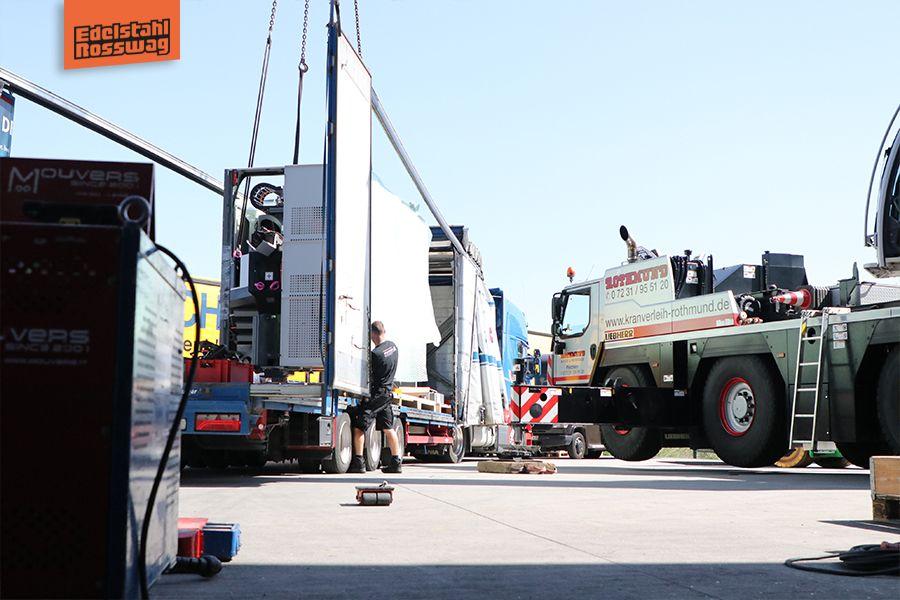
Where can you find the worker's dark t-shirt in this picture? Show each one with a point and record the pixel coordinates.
(384, 365)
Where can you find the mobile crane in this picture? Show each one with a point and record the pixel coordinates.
(749, 360)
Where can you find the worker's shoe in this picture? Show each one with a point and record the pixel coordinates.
(357, 465)
(395, 465)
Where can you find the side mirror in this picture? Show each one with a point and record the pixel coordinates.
(556, 308)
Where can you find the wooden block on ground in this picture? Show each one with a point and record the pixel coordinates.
(529, 467)
(884, 477)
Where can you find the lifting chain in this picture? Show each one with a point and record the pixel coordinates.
(303, 66)
(272, 17)
(358, 38)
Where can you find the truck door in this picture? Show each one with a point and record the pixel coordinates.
(576, 335)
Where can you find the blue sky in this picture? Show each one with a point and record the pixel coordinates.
(721, 127)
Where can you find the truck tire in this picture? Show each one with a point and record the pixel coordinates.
(743, 412)
(401, 439)
(372, 448)
(339, 459)
(888, 400)
(577, 448)
(797, 458)
(455, 451)
(859, 453)
(831, 462)
(636, 443)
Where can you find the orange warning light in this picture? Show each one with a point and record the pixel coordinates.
(570, 273)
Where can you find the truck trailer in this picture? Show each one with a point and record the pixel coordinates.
(261, 394)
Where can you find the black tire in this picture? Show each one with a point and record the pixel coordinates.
(339, 459)
(831, 462)
(455, 451)
(577, 448)
(372, 448)
(637, 443)
(401, 440)
(758, 437)
(888, 400)
(859, 453)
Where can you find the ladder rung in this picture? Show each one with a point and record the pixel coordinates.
(802, 442)
(812, 337)
(806, 389)
(805, 416)
(808, 364)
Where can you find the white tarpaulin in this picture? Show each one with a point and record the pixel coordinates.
(401, 298)
(479, 377)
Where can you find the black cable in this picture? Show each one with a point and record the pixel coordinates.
(173, 430)
(858, 561)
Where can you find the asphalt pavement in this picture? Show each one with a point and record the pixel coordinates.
(666, 528)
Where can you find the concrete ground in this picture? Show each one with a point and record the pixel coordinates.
(667, 528)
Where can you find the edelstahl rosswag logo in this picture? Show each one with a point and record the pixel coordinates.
(101, 32)
(95, 41)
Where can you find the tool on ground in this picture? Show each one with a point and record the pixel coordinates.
(375, 495)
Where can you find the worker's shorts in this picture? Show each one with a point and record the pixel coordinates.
(378, 409)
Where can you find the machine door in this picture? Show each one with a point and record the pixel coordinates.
(576, 336)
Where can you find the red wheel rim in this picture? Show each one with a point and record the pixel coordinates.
(737, 407)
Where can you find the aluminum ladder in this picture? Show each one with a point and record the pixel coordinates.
(807, 347)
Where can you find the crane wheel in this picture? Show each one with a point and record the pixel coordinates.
(743, 412)
(831, 462)
(635, 443)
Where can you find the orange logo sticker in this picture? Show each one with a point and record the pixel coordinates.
(118, 32)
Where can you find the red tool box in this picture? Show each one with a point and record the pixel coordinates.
(190, 537)
(220, 371)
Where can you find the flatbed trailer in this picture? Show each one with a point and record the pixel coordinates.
(242, 424)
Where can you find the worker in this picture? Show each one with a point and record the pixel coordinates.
(378, 407)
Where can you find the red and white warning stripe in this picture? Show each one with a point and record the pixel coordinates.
(800, 298)
(531, 404)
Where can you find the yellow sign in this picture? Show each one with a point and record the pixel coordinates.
(208, 301)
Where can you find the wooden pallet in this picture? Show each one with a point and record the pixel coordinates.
(884, 477)
(422, 399)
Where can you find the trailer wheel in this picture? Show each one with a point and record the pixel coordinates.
(743, 412)
(372, 448)
(831, 462)
(635, 443)
(577, 448)
(401, 440)
(456, 450)
(339, 459)
(888, 400)
(797, 458)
